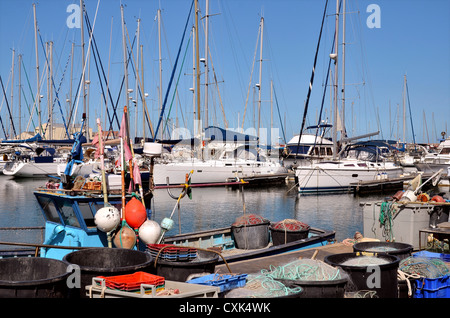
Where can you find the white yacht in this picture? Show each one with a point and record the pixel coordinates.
(37, 165)
(227, 165)
(433, 162)
(357, 164)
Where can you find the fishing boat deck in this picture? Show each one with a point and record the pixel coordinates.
(254, 266)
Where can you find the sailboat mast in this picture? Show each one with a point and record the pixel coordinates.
(260, 75)
(20, 93)
(197, 69)
(336, 79)
(136, 98)
(124, 44)
(38, 97)
(12, 82)
(70, 83)
(83, 80)
(404, 109)
(160, 66)
(206, 62)
(343, 69)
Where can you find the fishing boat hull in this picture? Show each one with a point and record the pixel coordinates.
(332, 177)
(222, 239)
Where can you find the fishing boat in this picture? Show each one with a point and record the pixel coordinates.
(222, 239)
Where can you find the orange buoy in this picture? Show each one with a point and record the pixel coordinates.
(437, 198)
(135, 213)
(124, 237)
(423, 197)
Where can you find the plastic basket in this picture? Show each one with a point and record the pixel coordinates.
(172, 252)
(133, 281)
(224, 282)
(433, 287)
(430, 255)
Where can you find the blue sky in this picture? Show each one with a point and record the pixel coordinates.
(413, 40)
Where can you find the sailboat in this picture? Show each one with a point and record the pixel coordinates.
(229, 157)
(338, 174)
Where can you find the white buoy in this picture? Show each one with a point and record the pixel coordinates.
(149, 232)
(107, 218)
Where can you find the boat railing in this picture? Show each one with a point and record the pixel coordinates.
(13, 241)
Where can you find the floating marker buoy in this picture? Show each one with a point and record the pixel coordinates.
(107, 218)
(135, 213)
(437, 198)
(124, 237)
(149, 232)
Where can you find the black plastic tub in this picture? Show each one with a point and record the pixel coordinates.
(251, 236)
(381, 278)
(33, 277)
(104, 261)
(180, 270)
(319, 289)
(282, 236)
(401, 250)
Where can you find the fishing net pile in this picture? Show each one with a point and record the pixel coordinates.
(365, 261)
(262, 286)
(305, 269)
(249, 219)
(277, 280)
(290, 225)
(424, 267)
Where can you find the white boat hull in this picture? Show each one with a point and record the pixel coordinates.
(30, 169)
(327, 177)
(78, 169)
(209, 172)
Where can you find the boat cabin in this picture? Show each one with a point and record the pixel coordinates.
(69, 221)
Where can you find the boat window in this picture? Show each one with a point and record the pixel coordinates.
(445, 151)
(329, 152)
(349, 165)
(322, 151)
(362, 165)
(86, 213)
(50, 211)
(67, 213)
(301, 150)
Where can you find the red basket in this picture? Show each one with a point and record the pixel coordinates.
(172, 252)
(132, 281)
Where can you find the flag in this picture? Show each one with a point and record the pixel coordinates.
(123, 134)
(137, 174)
(96, 144)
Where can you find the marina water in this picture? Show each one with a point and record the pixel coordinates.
(209, 208)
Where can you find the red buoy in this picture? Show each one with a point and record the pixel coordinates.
(135, 213)
(437, 198)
